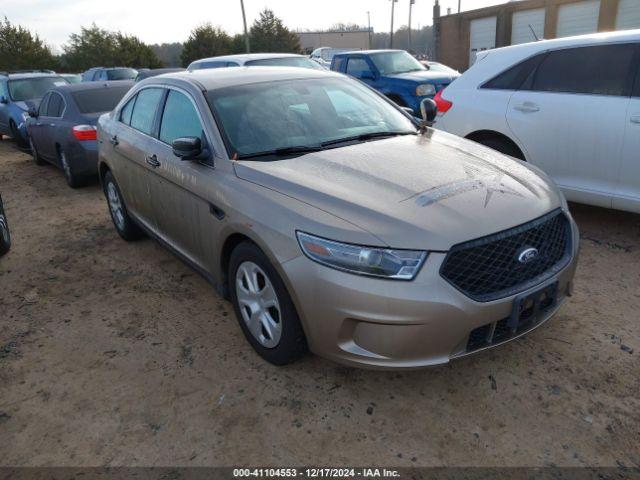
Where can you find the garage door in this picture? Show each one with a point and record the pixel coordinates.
(523, 22)
(628, 15)
(482, 33)
(578, 18)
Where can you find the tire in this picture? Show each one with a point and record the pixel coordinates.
(5, 236)
(15, 134)
(34, 153)
(126, 227)
(73, 180)
(502, 146)
(275, 332)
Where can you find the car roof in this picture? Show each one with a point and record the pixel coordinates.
(84, 86)
(368, 52)
(215, 78)
(22, 76)
(245, 57)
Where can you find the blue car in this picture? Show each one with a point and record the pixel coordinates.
(394, 73)
(18, 93)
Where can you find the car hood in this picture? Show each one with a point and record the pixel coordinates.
(424, 76)
(26, 104)
(429, 191)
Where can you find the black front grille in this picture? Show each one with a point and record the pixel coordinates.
(488, 268)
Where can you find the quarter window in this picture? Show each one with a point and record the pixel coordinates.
(598, 70)
(125, 113)
(42, 109)
(179, 118)
(144, 110)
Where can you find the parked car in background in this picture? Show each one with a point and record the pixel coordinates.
(62, 131)
(101, 74)
(255, 60)
(5, 236)
(324, 55)
(147, 73)
(72, 77)
(570, 106)
(395, 73)
(18, 93)
(332, 221)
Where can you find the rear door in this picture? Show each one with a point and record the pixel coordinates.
(130, 141)
(628, 194)
(570, 118)
(183, 213)
(35, 127)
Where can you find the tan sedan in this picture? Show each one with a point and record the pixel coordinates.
(331, 221)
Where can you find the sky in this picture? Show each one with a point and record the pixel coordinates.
(160, 21)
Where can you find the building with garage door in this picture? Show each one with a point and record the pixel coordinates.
(459, 36)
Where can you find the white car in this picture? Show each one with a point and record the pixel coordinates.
(254, 60)
(570, 106)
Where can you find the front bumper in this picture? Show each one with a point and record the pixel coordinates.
(369, 322)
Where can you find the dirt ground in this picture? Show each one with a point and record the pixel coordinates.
(115, 353)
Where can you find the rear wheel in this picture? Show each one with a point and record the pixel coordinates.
(73, 180)
(5, 236)
(263, 306)
(126, 227)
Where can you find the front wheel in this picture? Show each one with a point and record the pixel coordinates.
(263, 306)
(34, 153)
(126, 227)
(5, 236)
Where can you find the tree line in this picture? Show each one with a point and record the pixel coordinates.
(20, 49)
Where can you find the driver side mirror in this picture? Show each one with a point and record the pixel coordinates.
(33, 113)
(4, 100)
(429, 110)
(188, 148)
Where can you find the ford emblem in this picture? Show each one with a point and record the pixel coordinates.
(528, 254)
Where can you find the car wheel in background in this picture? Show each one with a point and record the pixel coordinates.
(73, 180)
(125, 225)
(5, 236)
(15, 134)
(502, 146)
(34, 153)
(263, 306)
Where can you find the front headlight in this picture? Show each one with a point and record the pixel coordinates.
(377, 262)
(425, 89)
(25, 116)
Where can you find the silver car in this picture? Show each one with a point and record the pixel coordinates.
(332, 221)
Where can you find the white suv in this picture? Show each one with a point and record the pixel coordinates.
(570, 106)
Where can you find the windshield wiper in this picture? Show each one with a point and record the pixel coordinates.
(367, 136)
(283, 152)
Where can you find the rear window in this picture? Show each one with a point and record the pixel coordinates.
(100, 100)
(514, 78)
(122, 74)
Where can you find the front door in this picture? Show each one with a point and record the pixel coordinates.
(628, 194)
(570, 118)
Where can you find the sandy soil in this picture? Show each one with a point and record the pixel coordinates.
(115, 353)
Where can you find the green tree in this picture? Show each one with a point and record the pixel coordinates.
(268, 34)
(95, 46)
(169, 53)
(206, 41)
(20, 49)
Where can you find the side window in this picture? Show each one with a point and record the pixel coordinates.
(3, 90)
(102, 75)
(56, 105)
(338, 61)
(125, 113)
(356, 66)
(598, 70)
(144, 110)
(515, 77)
(179, 119)
(42, 109)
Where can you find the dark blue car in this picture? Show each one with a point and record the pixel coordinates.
(18, 93)
(62, 131)
(395, 73)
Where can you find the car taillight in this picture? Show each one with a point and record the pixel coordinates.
(85, 132)
(443, 105)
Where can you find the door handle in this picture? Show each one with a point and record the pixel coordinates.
(527, 108)
(635, 119)
(114, 140)
(153, 160)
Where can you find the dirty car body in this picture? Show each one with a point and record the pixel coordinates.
(396, 249)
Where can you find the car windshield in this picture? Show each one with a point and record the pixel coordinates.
(122, 74)
(99, 100)
(30, 88)
(389, 63)
(302, 62)
(304, 114)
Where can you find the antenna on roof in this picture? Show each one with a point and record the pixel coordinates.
(533, 32)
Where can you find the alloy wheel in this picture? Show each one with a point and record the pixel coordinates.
(4, 230)
(66, 167)
(115, 205)
(259, 304)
